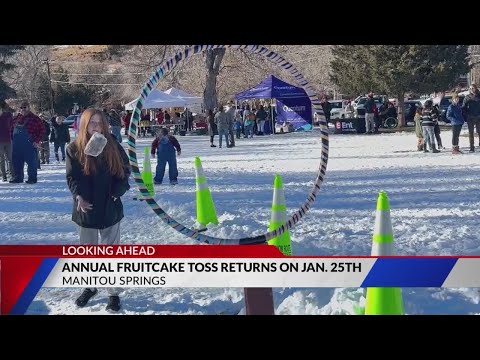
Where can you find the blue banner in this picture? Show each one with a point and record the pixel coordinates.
(297, 112)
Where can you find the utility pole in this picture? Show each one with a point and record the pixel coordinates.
(50, 86)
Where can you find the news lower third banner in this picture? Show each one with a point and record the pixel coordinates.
(24, 270)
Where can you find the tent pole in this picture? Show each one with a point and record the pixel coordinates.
(186, 118)
(271, 118)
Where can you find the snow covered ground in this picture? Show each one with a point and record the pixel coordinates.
(434, 198)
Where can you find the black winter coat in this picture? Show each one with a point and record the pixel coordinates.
(47, 130)
(471, 105)
(99, 190)
(60, 134)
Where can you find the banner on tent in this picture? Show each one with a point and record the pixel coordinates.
(296, 111)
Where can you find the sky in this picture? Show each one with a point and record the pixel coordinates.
(434, 202)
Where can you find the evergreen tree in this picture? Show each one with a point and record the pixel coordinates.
(351, 69)
(397, 69)
(68, 94)
(41, 102)
(6, 91)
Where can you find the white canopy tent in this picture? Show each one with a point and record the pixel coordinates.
(194, 103)
(158, 99)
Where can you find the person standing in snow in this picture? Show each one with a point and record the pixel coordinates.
(454, 114)
(115, 124)
(6, 121)
(471, 113)
(429, 119)
(230, 112)
(165, 145)
(27, 133)
(212, 127)
(421, 145)
(59, 137)
(97, 184)
(221, 120)
(261, 118)
(44, 150)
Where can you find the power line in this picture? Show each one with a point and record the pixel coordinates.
(99, 74)
(81, 83)
(89, 62)
(52, 101)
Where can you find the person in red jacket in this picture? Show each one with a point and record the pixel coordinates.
(27, 133)
(126, 121)
(160, 117)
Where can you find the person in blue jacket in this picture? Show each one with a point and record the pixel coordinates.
(167, 147)
(454, 114)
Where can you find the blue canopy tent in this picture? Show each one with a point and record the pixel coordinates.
(292, 103)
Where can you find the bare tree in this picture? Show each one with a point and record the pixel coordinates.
(213, 60)
(143, 60)
(216, 74)
(29, 75)
(313, 61)
(474, 51)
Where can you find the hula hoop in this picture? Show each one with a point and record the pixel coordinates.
(132, 136)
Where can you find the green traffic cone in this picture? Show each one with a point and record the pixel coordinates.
(383, 301)
(206, 213)
(279, 218)
(147, 176)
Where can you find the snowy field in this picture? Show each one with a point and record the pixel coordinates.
(434, 199)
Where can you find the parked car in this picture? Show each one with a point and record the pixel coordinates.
(360, 107)
(355, 101)
(316, 117)
(70, 120)
(409, 109)
(424, 100)
(337, 109)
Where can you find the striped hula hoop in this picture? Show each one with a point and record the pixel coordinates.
(195, 234)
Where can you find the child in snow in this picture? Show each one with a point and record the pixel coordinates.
(238, 125)
(418, 129)
(165, 145)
